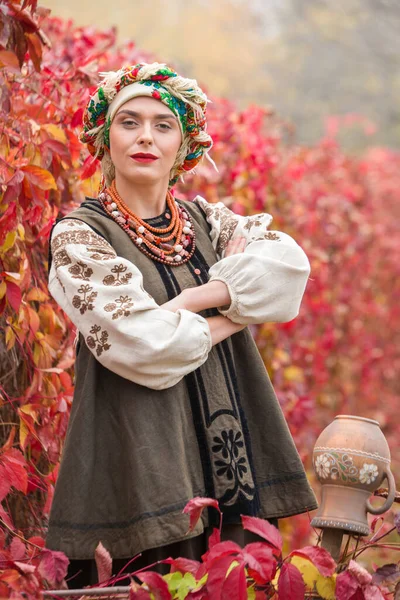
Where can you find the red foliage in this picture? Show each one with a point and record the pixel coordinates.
(342, 354)
(195, 507)
(319, 557)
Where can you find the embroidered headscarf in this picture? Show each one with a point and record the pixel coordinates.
(183, 96)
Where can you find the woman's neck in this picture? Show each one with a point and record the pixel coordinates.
(146, 201)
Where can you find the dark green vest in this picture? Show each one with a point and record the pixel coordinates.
(134, 456)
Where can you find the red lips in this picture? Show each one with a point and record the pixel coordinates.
(144, 157)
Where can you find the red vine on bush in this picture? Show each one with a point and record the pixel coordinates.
(342, 354)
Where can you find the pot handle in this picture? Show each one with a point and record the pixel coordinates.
(391, 495)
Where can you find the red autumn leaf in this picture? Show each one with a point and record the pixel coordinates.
(183, 565)
(235, 585)
(217, 574)
(8, 59)
(214, 538)
(14, 295)
(7, 172)
(17, 549)
(260, 560)
(346, 586)
(25, 567)
(5, 516)
(319, 557)
(157, 585)
(16, 179)
(25, 19)
(76, 120)
(103, 563)
(136, 592)
(222, 549)
(53, 566)
(37, 540)
(89, 167)
(39, 177)
(195, 507)
(8, 221)
(12, 472)
(387, 574)
(372, 592)
(361, 574)
(264, 529)
(58, 148)
(290, 583)
(34, 49)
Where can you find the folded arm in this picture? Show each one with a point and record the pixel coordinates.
(123, 326)
(264, 279)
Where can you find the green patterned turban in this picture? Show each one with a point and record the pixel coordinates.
(182, 96)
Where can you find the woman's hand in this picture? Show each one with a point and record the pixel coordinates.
(210, 295)
(235, 246)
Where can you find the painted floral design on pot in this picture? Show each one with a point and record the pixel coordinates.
(368, 473)
(322, 466)
(336, 466)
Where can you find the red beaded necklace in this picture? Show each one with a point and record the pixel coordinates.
(173, 245)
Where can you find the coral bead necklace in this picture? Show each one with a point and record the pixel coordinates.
(173, 245)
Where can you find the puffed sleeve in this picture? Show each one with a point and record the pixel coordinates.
(267, 281)
(123, 326)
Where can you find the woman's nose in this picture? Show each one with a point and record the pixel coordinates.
(145, 134)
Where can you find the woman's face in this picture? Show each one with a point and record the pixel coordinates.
(144, 125)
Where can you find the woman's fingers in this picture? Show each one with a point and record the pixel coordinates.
(235, 246)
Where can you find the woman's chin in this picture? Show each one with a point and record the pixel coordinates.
(143, 177)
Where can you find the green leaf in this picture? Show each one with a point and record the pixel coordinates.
(251, 593)
(180, 585)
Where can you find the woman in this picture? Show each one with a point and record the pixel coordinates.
(172, 399)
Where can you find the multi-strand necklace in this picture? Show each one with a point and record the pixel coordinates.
(173, 245)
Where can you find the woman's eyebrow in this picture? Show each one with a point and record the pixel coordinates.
(133, 113)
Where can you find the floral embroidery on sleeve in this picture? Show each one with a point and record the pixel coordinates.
(120, 278)
(100, 343)
(272, 236)
(86, 238)
(80, 270)
(252, 222)
(85, 300)
(74, 223)
(100, 248)
(226, 224)
(101, 254)
(62, 258)
(119, 308)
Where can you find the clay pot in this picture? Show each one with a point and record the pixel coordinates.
(351, 459)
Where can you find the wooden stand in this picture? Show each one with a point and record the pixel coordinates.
(332, 541)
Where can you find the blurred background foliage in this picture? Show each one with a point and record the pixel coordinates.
(306, 58)
(278, 73)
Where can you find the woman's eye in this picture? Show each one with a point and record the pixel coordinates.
(164, 126)
(129, 122)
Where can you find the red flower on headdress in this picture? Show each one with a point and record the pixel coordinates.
(156, 94)
(159, 77)
(136, 70)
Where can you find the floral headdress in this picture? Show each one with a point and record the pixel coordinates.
(183, 96)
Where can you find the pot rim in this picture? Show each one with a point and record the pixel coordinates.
(356, 418)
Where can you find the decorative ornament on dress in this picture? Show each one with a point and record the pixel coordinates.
(173, 245)
(183, 96)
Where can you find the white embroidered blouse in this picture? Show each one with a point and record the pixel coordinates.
(155, 347)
